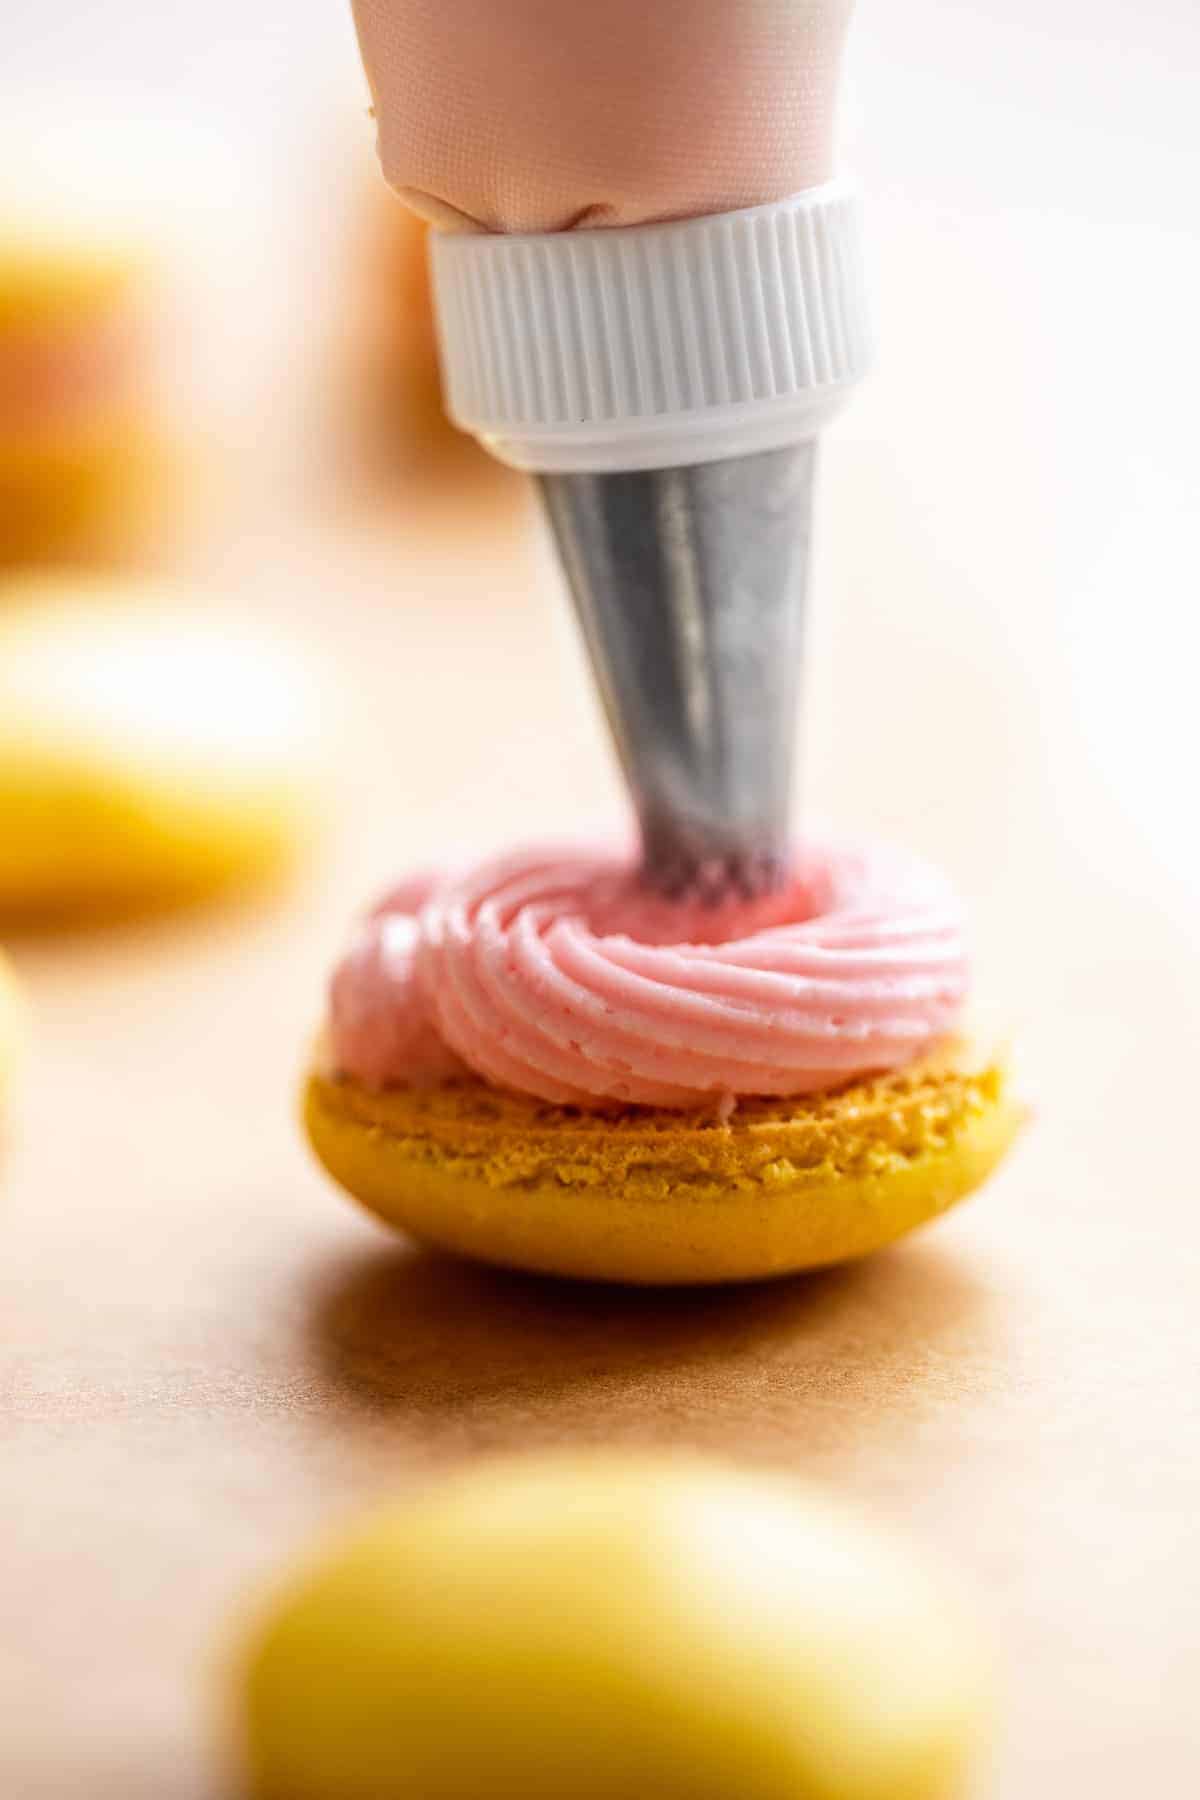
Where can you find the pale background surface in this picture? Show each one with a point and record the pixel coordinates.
(210, 1355)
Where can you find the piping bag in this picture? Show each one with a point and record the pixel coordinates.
(649, 294)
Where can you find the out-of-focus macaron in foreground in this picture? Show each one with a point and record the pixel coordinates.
(537, 1064)
(153, 749)
(604, 1627)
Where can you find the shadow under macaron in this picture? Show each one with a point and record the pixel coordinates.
(472, 1358)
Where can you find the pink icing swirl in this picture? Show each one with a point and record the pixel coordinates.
(381, 1026)
(549, 972)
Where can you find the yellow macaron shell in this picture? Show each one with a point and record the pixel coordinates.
(653, 1196)
(150, 751)
(612, 1628)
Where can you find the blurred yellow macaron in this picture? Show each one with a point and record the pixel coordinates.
(86, 469)
(604, 1627)
(152, 749)
(131, 334)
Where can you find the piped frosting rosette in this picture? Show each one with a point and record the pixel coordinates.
(548, 971)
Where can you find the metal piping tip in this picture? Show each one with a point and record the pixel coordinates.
(690, 586)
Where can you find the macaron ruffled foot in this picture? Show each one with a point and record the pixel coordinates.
(540, 1065)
